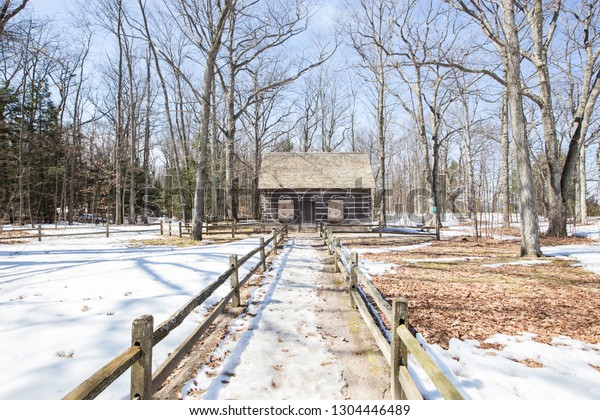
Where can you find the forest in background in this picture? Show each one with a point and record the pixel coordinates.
(131, 109)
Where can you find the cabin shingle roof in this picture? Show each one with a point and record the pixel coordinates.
(315, 170)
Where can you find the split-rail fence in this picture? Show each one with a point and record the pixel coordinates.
(397, 343)
(164, 228)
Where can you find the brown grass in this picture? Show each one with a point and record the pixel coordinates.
(185, 241)
(466, 300)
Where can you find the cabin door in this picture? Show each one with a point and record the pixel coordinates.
(307, 211)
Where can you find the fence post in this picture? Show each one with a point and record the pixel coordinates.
(169, 228)
(107, 228)
(142, 335)
(399, 351)
(275, 244)
(233, 230)
(353, 278)
(380, 229)
(39, 233)
(233, 262)
(336, 255)
(263, 257)
(162, 228)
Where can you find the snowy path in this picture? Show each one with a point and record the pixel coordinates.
(276, 351)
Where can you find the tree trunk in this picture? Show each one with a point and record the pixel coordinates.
(582, 183)
(556, 209)
(230, 133)
(471, 202)
(147, 138)
(132, 136)
(214, 192)
(205, 111)
(171, 132)
(119, 121)
(505, 162)
(381, 138)
(257, 159)
(530, 242)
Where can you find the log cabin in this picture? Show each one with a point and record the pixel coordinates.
(309, 188)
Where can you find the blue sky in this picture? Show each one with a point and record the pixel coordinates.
(51, 8)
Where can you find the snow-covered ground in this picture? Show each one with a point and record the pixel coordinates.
(275, 351)
(67, 305)
(566, 370)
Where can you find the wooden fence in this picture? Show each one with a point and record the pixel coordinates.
(164, 228)
(367, 228)
(138, 357)
(395, 343)
(225, 228)
(40, 232)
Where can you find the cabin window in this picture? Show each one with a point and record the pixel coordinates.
(285, 210)
(335, 211)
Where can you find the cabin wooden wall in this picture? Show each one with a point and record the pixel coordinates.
(357, 204)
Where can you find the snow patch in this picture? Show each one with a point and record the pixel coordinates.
(524, 262)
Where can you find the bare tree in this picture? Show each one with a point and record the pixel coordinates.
(371, 32)
(170, 125)
(255, 30)
(205, 24)
(582, 41)
(8, 12)
(498, 23)
(266, 121)
(505, 161)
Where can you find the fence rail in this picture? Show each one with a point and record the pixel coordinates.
(396, 343)
(369, 228)
(138, 357)
(164, 228)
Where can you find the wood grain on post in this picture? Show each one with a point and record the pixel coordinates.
(162, 228)
(336, 255)
(399, 357)
(353, 278)
(234, 279)
(180, 231)
(39, 233)
(142, 335)
(263, 257)
(169, 228)
(275, 243)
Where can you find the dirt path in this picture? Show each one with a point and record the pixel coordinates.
(366, 372)
(297, 339)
